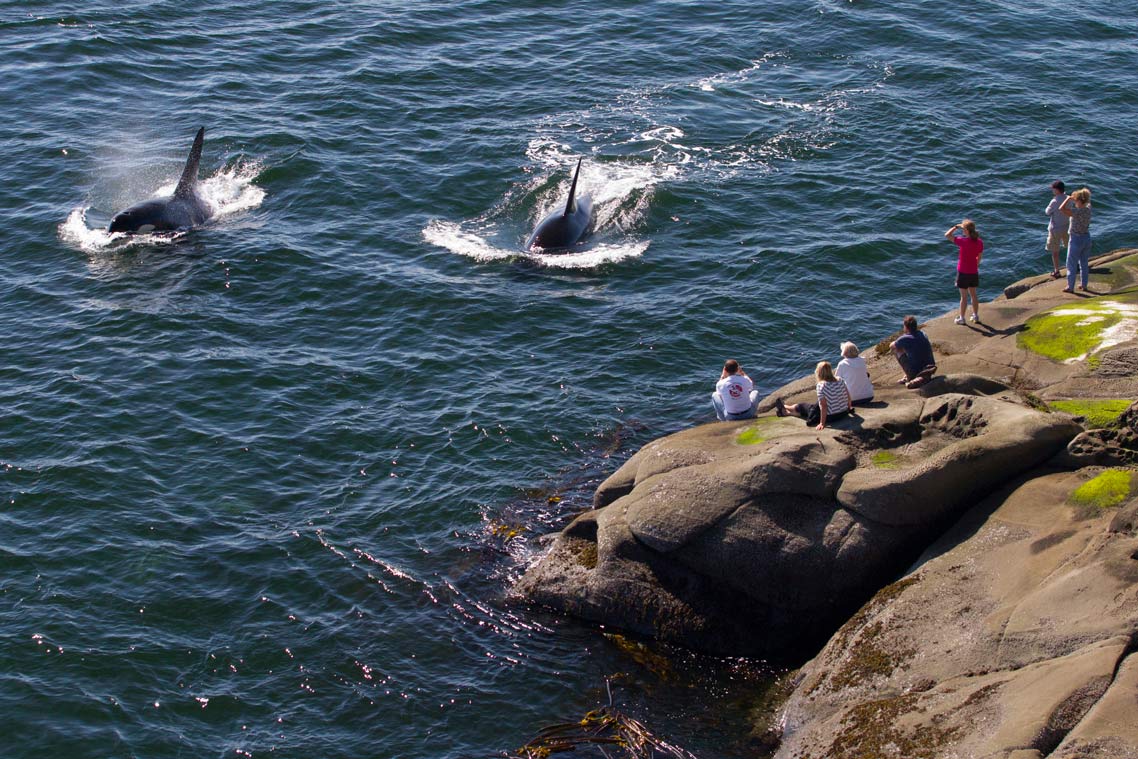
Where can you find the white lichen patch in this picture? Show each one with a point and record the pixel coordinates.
(1119, 333)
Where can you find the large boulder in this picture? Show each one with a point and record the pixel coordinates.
(1013, 636)
(762, 537)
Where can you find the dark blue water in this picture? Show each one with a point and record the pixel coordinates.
(266, 486)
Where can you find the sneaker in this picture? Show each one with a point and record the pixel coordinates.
(958, 320)
(779, 407)
(975, 319)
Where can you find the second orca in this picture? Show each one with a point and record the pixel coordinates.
(563, 229)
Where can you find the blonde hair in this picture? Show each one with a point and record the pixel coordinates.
(823, 372)
(1082, 195)
(849, 350)
(969, 228)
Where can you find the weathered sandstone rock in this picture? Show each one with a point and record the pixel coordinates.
(761, 537)
(1009, 636)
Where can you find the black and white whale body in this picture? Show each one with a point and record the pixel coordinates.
(182, 210)
(565, 228)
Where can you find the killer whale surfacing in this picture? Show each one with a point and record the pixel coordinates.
(563, 229)
(182, 210)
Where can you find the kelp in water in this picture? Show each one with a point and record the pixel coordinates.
(601, 728)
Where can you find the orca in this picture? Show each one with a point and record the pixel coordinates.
(563, 229)
(184, 209)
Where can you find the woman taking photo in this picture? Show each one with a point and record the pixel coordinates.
(1079, 247)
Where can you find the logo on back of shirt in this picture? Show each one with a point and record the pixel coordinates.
(735, 390)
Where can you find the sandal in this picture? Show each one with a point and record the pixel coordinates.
(779, 407)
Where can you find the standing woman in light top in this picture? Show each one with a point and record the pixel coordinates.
(1079, 248)
(970, 249)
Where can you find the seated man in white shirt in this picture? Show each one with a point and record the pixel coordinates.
(735, 396)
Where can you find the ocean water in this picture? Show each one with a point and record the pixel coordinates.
(266, 485)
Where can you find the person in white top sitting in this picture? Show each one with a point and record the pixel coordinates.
(735, 396)
(852, 370)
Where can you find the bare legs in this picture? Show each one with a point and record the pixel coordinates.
(965, 294)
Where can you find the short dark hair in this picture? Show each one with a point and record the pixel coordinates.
(1058, 185)
(911, 325)
(731, 366)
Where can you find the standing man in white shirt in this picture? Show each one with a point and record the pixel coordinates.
(735, 396)
(1056, 228)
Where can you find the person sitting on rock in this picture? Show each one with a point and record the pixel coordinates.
(735, 396)
(852, 370)
(833, 399)
(914, 353)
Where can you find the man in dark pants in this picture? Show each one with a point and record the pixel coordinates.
(914, 353)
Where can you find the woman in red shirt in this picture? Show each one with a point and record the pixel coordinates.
(971, 249)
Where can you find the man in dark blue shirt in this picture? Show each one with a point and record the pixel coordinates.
(914, 353)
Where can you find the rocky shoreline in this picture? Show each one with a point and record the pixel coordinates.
(959, 563)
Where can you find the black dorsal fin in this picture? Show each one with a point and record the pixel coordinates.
(190, 173)
(571, 206)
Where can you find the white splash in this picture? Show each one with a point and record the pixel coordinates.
(451, 236)
(228, 192)
(621, 194)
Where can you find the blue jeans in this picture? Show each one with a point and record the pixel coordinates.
(1078, 258)
(721, 412)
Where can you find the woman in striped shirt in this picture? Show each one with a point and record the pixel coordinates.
(833, 399)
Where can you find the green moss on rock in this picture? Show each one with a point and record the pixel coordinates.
(1077, 330)
(762, 430)
(886, 460)
(1108, 490)
(1099, 412)
(1065, 336)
